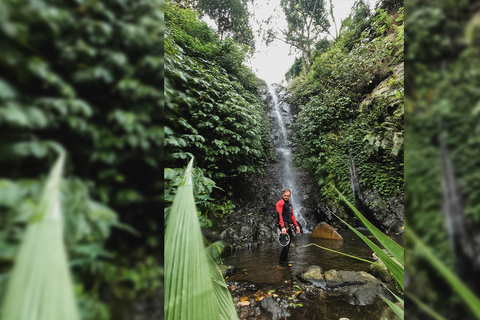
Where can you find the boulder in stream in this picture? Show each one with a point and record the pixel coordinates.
(325, 231)
(359, 287)
(314, 275)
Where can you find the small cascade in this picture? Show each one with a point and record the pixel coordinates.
(354, 181)
(282, 144)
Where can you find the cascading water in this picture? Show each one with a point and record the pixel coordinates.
(283, 150)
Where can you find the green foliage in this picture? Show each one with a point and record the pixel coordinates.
(353, 26)
(86, 78)
(337, 119)
(211, 112)
(198, 40)
(441, 72)
(307, 21)
(231, 18)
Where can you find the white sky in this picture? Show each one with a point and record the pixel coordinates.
(272, 62)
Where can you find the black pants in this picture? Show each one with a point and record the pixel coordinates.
(284, 253)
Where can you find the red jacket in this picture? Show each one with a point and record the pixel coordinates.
(280, 205)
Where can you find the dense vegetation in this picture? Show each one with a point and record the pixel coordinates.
(213, 112)
(442, 119)
(86, 77)
(336, 117)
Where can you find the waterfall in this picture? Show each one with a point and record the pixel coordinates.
(354, 181)
(283, 150)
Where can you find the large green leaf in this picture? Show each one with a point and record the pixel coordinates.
(395, 268)
(391, 246)
(40, 286)
(224, 298)
(398, 311)
(468, 297)
(189, 292)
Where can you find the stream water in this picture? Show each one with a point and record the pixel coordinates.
(259, 269)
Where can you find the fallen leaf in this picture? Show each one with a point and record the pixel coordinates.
(243, 299)
(233, 287)
(296, 305)
(271, 291)
(243, 303)
(258, 294)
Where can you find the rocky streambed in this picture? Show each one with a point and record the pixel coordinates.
(315, 283)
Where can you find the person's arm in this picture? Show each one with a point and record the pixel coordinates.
(294, 221)
(279, 211)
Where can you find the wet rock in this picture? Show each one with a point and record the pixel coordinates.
(325, 231)
(382, 272)
(359, 287)
(336, 278)
(388, 213)
(275, 308)
(226, 270)
(314, 275)
(363, 295)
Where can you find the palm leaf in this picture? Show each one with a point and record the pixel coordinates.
(215, 250)
(395, 269)
(342, 253)
(398, 311)
(391, 246)
(189, 292)
(468, 297)
(40, 286)
(224, 298)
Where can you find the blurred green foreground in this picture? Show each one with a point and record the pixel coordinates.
(442, 162)
(85, 78)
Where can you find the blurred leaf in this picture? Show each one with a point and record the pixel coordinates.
(40, 286)
(468, 297)
(189, 292)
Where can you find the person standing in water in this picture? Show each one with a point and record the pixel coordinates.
(285, 221)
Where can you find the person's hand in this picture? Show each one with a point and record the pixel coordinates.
(284, 231)
(298, 229)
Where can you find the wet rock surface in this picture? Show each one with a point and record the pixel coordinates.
(358, 287)
(314, 275)
(381, 271)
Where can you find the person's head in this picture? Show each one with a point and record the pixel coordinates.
(286, 194)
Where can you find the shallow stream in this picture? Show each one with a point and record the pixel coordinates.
(257, 269)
